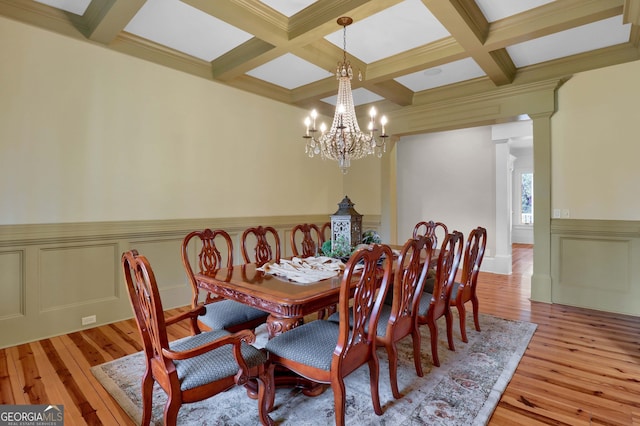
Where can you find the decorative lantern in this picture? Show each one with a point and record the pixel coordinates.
(347, 223)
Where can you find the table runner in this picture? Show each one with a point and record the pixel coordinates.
(304, 270)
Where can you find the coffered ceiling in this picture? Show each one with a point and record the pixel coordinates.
(409, 52)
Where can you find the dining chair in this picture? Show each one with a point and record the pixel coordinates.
(262, 251)
(193, 368)
(305, 240)
(398, 319)
(326, 227)
(220, 313)
(431, 229)
(437, 231)
(304, 233)
(436, 304)
(465, 290)
(326, 351)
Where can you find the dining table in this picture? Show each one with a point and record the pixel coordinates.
(286, 301)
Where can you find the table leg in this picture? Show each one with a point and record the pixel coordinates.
(279, 325)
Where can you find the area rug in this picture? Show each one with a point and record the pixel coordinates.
(464, 390)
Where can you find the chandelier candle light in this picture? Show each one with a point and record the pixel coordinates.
(344, 141)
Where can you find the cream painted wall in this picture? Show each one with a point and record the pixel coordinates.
(595, 148)
(88, 134)
(447, 177)
(363, 185)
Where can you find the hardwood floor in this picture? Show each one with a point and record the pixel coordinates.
(582, 367)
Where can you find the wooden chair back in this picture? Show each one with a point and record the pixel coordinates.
(263, 252)
(465, 290)
(359, 312)
(408, 284)
(215, 251)
(431, 229)
(146, 304)
(446, 269)
(325, 232)
(472, 259)
(439, 303)
(306, 240)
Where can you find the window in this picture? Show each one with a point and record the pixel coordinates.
(526, 208)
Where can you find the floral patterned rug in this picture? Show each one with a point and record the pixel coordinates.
(463, 391)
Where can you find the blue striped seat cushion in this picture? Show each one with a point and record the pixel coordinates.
(454, 291)
(385, 313)
(213, 365)
(309, 344)
(425, 302)
(227, 313)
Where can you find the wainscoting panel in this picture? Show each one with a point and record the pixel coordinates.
(67, 283)
(593, 266)
(164, 257)
(71, 275)
(11, 284)
(54, 275)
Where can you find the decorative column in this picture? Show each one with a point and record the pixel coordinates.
(541, 284)
(504, 200)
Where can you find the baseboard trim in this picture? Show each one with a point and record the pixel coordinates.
(497, 265)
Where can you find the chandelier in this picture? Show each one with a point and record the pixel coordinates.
(344, 141)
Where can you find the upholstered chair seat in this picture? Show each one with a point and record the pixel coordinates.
(425, 303)
(226, 314)
(311, 345)
(385, 313)
(213, 365)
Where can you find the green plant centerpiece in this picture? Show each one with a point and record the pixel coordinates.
(343, 250)
(340, 250)
(371, 237)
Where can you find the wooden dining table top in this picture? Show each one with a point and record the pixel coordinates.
(279, 296)
(276, 295)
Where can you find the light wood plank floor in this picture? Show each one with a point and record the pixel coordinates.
(582, 367)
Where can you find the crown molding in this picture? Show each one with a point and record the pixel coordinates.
(477, 109)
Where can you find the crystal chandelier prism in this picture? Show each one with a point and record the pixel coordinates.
(345, 141)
